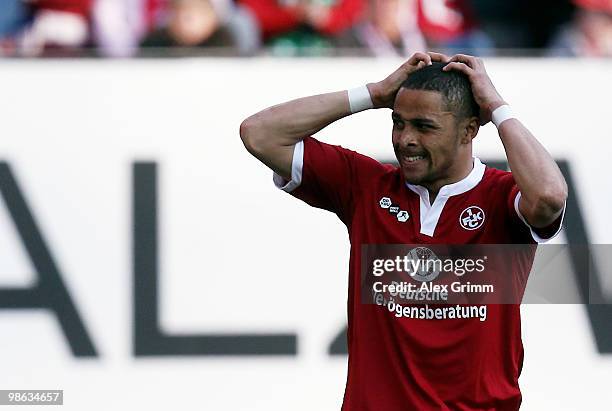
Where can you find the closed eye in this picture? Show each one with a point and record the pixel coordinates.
(424, 126)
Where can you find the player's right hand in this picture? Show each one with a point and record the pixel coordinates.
(383, 93)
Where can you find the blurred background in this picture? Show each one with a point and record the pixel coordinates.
(147, 262)
(127, 28)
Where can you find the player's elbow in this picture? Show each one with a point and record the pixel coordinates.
(555, 196)
(250, 135)
(549, 201)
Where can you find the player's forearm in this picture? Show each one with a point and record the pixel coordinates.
(287, 123)
(543, 188)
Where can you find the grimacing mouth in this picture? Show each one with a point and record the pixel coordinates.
(412, 159)
(410, 156)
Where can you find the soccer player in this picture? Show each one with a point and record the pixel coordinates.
(439, 194)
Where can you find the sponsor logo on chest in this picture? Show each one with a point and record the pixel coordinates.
(401, 215)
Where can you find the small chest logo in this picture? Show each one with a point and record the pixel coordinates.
(472, 218)
(393, 209)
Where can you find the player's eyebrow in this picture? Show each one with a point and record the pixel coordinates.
(417, 121)
(423, 122)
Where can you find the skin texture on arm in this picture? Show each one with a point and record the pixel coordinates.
(542, 186)
(271, 134)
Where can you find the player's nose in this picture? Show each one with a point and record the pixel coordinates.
(408, 138)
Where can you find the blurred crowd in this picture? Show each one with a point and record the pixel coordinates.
(125, 28)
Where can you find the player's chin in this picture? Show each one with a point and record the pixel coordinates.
(414, 172)
(414, 177)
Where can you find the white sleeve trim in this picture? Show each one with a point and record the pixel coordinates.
(534, 235)
(297, 163)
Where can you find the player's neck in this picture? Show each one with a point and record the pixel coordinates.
(463, 169)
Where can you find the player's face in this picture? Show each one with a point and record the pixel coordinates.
(425, 137)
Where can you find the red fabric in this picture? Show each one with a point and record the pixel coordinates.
(398, 364)
(444, 20)
(276, 19)
(343, 16)
(152, 11)
(273, 19)
(597, 5)
(80, 7)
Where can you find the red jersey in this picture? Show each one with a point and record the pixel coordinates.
(276, 18)
(394, 364)
(445, 20)
(81, 7)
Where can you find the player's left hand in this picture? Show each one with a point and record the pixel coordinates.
(383, 92)
(485, 94)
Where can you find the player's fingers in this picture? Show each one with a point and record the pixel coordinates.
(462, 67)
(420, 65)
(439, 57)
(418, 57)
(465, 59)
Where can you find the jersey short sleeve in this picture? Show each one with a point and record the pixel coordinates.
(328, 176)
(521, 228)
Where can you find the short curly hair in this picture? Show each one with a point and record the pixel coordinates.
(453, 85)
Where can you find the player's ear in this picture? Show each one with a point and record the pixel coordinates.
(470, 129)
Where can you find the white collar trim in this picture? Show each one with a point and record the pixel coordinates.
(430, 213)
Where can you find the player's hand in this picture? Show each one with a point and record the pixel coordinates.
(383, 93)
(485, 94)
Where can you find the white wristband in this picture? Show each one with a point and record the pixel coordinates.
(359, 99)
(501, 114)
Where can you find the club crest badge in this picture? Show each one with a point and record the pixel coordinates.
(472, 218)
